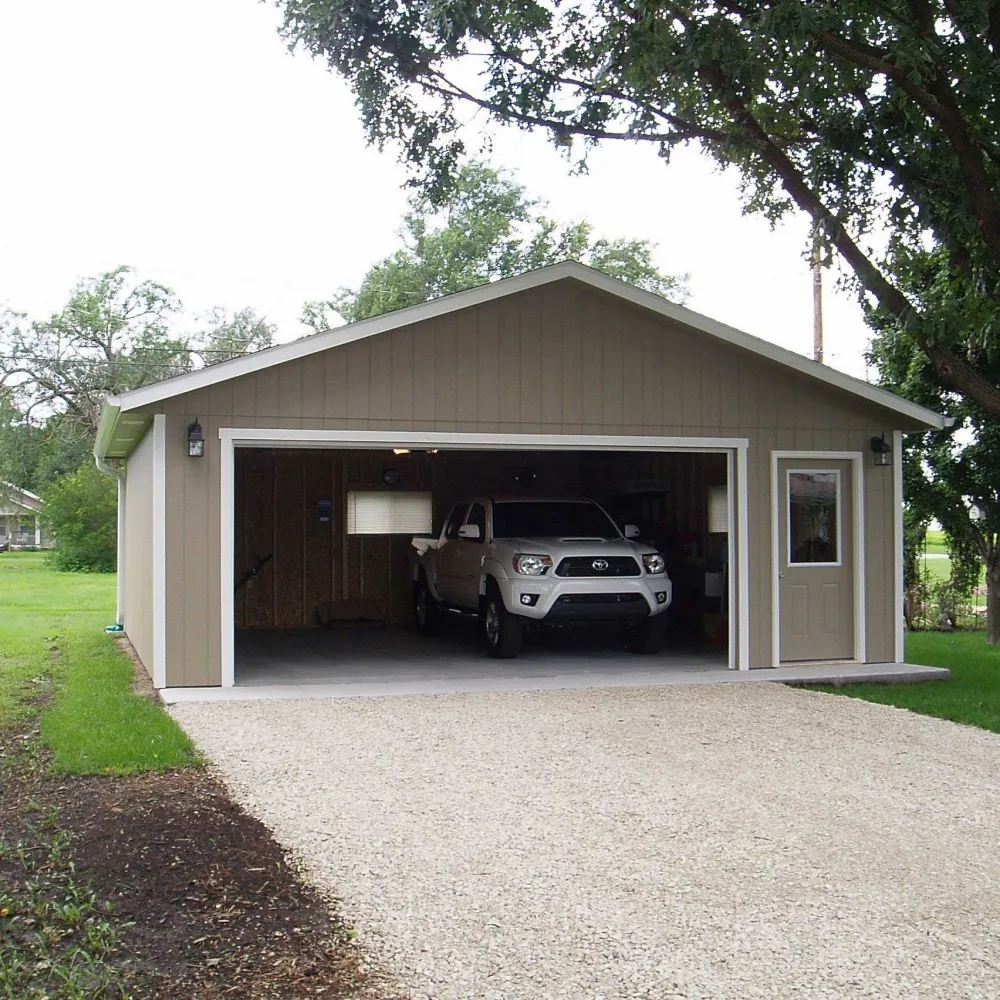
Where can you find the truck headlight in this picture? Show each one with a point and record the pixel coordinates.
(654, 563)
(531, 565)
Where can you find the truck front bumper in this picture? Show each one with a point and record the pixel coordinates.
(593, 600)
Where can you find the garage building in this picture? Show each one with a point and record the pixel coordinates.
(772, 484)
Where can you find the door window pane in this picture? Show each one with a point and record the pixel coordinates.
(477, 516)
(370, 513)
(455, 520)
(813, 517)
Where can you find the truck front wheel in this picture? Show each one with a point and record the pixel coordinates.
(649, 637)
(503, 632)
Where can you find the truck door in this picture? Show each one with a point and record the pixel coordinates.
(469, 558)
(447, 555)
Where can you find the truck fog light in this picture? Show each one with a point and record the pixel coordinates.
(661, 597)
(529, 600)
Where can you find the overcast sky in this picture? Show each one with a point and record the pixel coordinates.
(183, 139)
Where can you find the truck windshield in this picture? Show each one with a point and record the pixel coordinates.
(551, 519)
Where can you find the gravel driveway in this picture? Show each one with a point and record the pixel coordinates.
(727, 841)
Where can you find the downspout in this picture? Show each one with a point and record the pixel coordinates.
(118, 471)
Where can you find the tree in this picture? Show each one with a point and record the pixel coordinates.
(81, 509)
(17, 454)
(228, 337)
(113, 335)
(868, 115)
(950, 474)
(487, 229)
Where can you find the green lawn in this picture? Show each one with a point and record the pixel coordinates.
(54, 653)
(972, 696)
(936, 542)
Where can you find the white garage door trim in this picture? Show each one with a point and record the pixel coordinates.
(283, 437)
(856, 458)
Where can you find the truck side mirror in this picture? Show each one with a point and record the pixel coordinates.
(631, 531)
(470, 532)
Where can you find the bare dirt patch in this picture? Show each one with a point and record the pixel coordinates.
(205, 903)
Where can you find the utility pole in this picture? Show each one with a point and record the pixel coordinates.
(817, 269)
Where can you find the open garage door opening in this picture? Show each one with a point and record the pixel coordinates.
(327, 572)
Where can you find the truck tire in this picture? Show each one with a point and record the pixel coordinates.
(425, 609)
(648, 637)
(503, 632)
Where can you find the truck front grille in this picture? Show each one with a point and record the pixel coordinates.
(599, 566)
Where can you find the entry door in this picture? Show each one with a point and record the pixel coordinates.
(816, 560)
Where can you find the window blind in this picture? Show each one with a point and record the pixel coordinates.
(373, 513)
(718, 510)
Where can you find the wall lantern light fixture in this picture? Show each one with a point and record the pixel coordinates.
(196, 440)
(882, 451)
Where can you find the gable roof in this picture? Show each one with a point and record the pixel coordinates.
(19, 497)
(314, 344)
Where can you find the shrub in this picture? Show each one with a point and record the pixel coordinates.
(82, 509)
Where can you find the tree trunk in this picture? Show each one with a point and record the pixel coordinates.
(993, 606)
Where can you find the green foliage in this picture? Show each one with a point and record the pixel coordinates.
(81, 508)
(971, 696)
(868, 116)
(951, 474)
(487, 229)
(98, 725)
(228, 337)
(33, 455)
(57, 940)
(114, 334)
(53, 649)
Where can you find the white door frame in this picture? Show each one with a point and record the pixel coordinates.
(736, 448)
(858, 532)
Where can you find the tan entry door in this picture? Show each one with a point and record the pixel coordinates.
(816, 560)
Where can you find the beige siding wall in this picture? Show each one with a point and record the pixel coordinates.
(562, 359)
(139, 551)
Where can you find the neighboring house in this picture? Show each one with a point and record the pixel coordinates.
(21, 518)
(772, 483)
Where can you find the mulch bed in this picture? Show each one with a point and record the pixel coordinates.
(215, 909)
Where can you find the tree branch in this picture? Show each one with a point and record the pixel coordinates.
(953, 371)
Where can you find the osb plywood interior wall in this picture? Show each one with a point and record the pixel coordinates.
(318, 574)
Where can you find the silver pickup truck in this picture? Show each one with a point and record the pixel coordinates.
(518, 562)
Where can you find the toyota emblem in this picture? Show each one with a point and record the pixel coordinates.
(599, 565)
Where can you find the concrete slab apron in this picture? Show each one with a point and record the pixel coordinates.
(553, 674)
(726, 841)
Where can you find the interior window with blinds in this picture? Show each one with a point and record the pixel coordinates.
(374, 513)
(718, 510)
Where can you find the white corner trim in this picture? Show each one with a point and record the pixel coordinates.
(858, 530)
(231, 437)
(120, 610)
(743, 556)
(227, 565)
(860, 576)
(775, 564)
(159, 551)
(898, 583)
(447, 304)
(732, 591)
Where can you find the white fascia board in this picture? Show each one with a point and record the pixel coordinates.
(511, 286)
(110, 409)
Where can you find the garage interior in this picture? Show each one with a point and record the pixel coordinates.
(323, 585)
